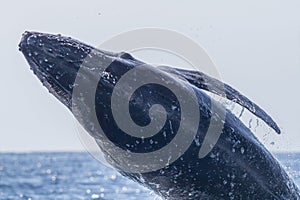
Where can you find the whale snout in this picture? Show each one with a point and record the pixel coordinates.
(44, 48)
(23, 45)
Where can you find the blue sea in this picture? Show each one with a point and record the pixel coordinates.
(73, 176)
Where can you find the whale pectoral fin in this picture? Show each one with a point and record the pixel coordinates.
(205, 82)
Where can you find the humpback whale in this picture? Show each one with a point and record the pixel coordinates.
(238, 165)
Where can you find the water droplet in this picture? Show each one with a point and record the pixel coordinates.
(50, 65)
(165, 134)
(212, 155)
(197, 142)
(242, 150)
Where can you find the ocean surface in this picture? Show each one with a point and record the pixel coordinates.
(73, 176)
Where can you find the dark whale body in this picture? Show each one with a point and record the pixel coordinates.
(238, 167)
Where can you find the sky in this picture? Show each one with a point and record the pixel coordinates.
(255, 45)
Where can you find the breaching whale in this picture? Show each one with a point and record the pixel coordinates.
(237, 167)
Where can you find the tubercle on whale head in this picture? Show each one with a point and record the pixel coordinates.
(56, 59)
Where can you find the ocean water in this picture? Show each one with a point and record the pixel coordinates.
(59, 176)
(73, 176)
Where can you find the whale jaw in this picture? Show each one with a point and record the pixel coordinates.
(55, 60)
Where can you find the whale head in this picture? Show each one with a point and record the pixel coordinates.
(78, 74)
(52, 59)
(56, 59)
